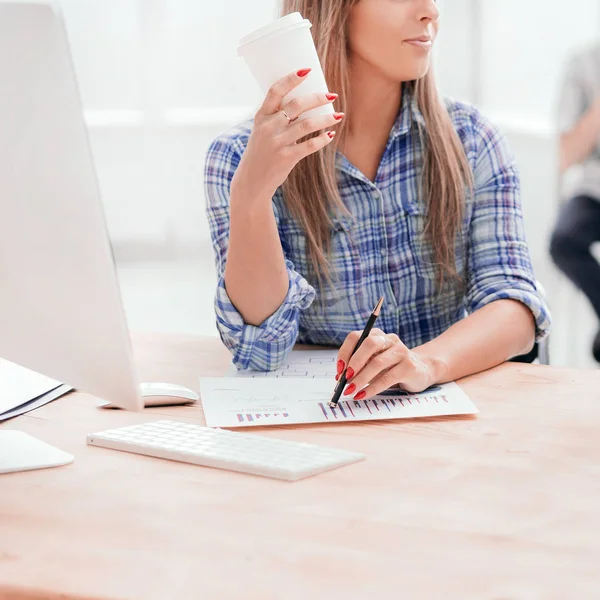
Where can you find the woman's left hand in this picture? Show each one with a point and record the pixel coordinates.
(381, 362)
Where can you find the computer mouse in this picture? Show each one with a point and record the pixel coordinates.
(163, 394)
(166, 394)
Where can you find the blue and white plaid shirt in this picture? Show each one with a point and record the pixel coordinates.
(379, 250)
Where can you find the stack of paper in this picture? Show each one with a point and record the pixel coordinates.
(299, 392)
(22, 390)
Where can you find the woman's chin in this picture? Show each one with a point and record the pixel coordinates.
(417, 71)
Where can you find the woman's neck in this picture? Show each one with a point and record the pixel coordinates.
(372, 110)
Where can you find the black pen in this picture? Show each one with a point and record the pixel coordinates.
(341, 384)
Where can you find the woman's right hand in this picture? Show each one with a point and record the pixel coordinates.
(273, 149)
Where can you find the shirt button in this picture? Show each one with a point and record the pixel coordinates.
(376, 194)
(383, 252)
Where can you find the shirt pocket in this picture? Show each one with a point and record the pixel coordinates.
(421, 247)
(345, 266)
(335, 309)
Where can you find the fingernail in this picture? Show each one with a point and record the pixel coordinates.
(331, 97)
(338, 116)
(350, 373)
(360, 395)
(337, 377)
(331, 134)
(303, 72)
(350, 389)
(340, 366)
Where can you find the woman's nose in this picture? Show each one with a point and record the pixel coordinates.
(428, 10)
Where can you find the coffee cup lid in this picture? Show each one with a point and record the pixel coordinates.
(292, 20)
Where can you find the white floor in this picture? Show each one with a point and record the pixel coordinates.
(176, 296)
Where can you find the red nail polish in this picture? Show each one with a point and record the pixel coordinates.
(338, 116)
(303, 72)
(331, 134)
(331, 96)
(350, 373)
(360, 395)
(337, 377)
(350, 389)
(340, 366)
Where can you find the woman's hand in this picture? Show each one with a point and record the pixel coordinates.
(273, 149)
(381, 362)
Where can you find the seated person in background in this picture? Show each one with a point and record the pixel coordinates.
(578, 225)
(414, 199)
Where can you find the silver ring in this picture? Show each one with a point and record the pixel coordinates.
(385, 342)
(286, 116)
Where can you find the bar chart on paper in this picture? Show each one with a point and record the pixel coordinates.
(258, 418)
(252, 402)
(381, 407)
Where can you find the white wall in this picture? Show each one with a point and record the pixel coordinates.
(524, 45)
(159, 79)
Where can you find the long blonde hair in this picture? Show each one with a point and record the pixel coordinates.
(311, 190)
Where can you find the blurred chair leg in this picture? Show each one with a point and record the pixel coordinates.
(540, 353)
(543, 354)
(544, 351)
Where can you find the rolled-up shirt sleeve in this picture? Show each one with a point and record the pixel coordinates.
(262, 347)
(499, 263)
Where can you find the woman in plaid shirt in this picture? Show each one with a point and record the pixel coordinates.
(399, 194)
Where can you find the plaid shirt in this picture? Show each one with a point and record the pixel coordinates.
(379, 250)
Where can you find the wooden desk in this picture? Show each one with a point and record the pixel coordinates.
(504, 506)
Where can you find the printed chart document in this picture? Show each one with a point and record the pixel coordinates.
(260, 401)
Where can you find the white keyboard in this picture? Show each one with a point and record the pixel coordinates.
(223, 449)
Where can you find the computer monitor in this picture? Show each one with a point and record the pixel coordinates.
(61, 312)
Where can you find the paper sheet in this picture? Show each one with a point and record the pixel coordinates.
(38, 402)
(299, 363)
(248, 402)
(19, 385)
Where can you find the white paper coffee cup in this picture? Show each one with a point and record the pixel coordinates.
(285, 46)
